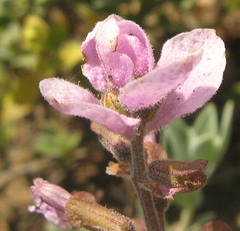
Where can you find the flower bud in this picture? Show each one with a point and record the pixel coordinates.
(118, 145)
(116, 51)
(83, 211)
(50, 200)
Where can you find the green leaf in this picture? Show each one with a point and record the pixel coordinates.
(207, 138)
(207, 120)
(189, 200)
(225, 128)
(174, 139)
(56, 141)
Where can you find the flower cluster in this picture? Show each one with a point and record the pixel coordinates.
(120, 64)
(137, 98)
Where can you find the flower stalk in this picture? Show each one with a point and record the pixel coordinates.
(138, 167)
(137, 99)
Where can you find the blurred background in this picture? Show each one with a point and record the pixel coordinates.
(41, 39)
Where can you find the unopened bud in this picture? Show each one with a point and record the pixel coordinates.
(118, 145)
(83, 211)
(50, 200)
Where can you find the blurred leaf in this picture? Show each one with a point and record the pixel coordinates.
(51, 227)
(26, 90)
(100, 4)
(11, 110)
(233, 4)
(14, 9)
(56, 141)
(236, 91)
(3, 9)
(41, 2)
(7, 131)
(207, 120)
(88, 16)
(70, 54)
(10, 34)
(189, 200)
(34, 33)
(19, 8)
(207, 138)
(200, 220)
(174, 139)
(60, 28)
(187, 4)
(4, 76)
(26, 60)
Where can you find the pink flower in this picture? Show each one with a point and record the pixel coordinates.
(119, 60)
(50, 200)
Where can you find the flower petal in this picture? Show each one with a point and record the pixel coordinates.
(50, 200)
(154, 86)
(71, 99)
(93, 69)
(202, 82)
(116, 51)
(118, 67)
(106, 68)
(134, 42)
(54, 195)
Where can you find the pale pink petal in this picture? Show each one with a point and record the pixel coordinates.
(134, 42)
(50, 200)
(154, 86)
(71, 99)
(203, 81)
(105, 68)
(150, 137)
(118, 66)
(93, 69)
(107, 35)
(54, 195)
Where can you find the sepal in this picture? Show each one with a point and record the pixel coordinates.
(50, 200)
(166, 178)
(154, 151)
(118, 145)
(82, 210)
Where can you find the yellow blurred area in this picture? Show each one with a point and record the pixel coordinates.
(70, 54)
(35, 33)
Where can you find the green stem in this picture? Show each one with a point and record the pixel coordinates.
(185, 219)
(138, 167)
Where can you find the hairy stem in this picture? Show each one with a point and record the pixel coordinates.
(138, 166)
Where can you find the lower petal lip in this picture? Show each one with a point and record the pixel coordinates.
(154, 86)
(74, 100)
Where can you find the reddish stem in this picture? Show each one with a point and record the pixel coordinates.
(153, 221)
